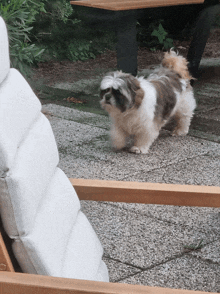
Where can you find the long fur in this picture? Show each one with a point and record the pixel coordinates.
(140, 107)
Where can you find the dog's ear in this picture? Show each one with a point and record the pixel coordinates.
(136, 90)
(139, 97)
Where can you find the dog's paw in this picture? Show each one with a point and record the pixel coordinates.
(180, 132)
(137, 150)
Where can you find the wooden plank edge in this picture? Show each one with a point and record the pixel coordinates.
(145, 2)
(5, 260)
(18, 283)
(148, 193)
(131, 6)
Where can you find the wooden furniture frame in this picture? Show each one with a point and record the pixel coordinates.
(166, 194)
(117, 5)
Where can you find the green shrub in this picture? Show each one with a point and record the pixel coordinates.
(65, 36)
(80, 50)
(54, 29)
(19, 16)
(61, 9)
(46, 29)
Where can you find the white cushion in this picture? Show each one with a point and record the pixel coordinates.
(74, 242)
(19, 109)
(79, 249)
(4, 51)
(39, 207)
(53, 224)
(30, 175)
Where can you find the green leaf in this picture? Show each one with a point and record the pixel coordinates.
(160, 33)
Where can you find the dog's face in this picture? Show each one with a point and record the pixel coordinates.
(121, 91)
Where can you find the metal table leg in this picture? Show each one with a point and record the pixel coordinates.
(127, 48)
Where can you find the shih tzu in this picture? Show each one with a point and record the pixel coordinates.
(140, 107)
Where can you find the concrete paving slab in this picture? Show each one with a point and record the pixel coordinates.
(197, 170)
(79, 140)
(118, 270)
(205, 103)
(206, 218)
(125, 166)
(208, 90)
(72, 134)
(138, 240)
(210, 62)
(72, 114)
(213, 113)
(204, 135)
(210, 252)
(84, 86)
(181, 273)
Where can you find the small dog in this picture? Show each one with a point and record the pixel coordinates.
(140, 107)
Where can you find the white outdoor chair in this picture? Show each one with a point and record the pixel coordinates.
(39, 208)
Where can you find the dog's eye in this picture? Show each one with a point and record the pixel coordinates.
(116, 92)
(105, 91)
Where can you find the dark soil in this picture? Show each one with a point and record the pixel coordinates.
(67, 71)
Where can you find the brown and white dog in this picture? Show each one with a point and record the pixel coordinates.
(140, 107)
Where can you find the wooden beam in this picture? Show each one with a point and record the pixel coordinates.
(5, 260)
(136, 192)
(17, 283)
(131, 4)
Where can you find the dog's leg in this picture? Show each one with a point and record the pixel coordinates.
(118, 138)
(183, 123)
(184, 114)
(143, 141)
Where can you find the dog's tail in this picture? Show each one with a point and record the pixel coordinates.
(177, 63)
